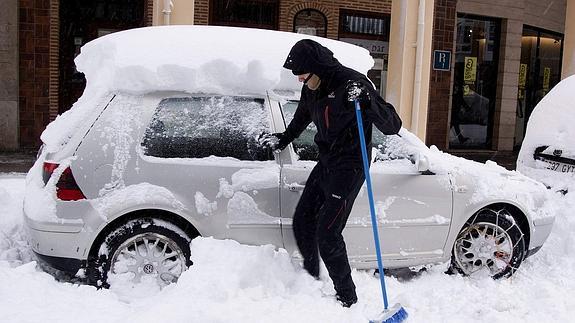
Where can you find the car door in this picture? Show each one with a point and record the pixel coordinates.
(204, 150)
(414, 209)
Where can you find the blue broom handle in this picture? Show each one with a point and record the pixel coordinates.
(371, 204)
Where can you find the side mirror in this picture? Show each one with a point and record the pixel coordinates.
(422, 164)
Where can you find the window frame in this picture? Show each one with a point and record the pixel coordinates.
(311, 10)
(364, 14)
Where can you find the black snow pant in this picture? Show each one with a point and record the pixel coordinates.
(319, 219)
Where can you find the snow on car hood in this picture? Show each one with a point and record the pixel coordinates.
(551, 124)
(194, 59)
(490, 181)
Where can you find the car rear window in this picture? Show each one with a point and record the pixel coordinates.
(197, 127)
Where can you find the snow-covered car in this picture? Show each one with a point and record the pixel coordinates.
(162, 148)
(548, 150)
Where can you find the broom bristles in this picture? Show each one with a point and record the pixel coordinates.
(395, 314)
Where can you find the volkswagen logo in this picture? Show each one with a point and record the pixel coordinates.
(148, 269)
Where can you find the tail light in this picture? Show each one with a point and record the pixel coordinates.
(66, 189)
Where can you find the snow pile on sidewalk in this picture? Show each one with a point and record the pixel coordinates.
(14, 249)
(233, 282)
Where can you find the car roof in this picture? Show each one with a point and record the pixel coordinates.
(201, 59)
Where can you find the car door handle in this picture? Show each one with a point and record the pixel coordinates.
(296, 187)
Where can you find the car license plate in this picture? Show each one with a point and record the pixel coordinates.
(559, 167)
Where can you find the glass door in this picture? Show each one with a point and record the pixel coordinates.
(475, 82)
(539, 72)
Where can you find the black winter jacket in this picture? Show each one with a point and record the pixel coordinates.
(328, 107)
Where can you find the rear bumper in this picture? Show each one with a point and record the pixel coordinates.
(57, 244)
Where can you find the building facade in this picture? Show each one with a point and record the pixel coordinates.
(506, 55)
(492, 60)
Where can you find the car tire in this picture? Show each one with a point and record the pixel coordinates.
(491, 240)
(142, 249)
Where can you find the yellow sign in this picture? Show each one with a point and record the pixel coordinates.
(470, 72)
(466, 90)
(546, 76)
(522, 75)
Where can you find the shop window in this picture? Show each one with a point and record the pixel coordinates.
(364, 25)
(245, 13)
(475, 82)
(539, 72)
(310, 22)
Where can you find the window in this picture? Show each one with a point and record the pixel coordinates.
(197, 127)
(367, 24)
(304, 145)
(475, 82)
(245, 13)
(310, 22)
(306, 148)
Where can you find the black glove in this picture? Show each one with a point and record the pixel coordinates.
(357, 91)
(275, 141)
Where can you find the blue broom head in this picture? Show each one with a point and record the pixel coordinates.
(394, 314)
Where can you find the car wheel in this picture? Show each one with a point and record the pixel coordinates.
(144, 249)
(491, 242)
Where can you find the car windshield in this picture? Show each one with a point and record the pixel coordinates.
(196, 127)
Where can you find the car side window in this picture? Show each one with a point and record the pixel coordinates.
(197, 127)
(304, 145)
(388, 148)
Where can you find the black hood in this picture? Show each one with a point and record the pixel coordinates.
(308, 56)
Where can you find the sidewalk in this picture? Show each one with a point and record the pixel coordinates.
(16, 162)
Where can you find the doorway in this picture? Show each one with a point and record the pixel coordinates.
(539, 72)
(82, 21)
(475, 82)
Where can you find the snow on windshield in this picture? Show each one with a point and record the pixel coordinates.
(194, 59)
(550, 124)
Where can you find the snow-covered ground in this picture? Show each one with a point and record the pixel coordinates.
(233, 282)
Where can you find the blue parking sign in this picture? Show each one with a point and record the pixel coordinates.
(441, 60)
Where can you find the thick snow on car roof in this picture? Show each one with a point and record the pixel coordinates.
(551, 124)
(201, 59)
(195, 59)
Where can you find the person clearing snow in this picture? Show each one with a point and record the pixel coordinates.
(327, 99)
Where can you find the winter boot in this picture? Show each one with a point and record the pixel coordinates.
(347, 300)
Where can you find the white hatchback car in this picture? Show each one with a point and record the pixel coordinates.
(140, 173)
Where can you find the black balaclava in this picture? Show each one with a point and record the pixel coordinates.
(308, 56)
